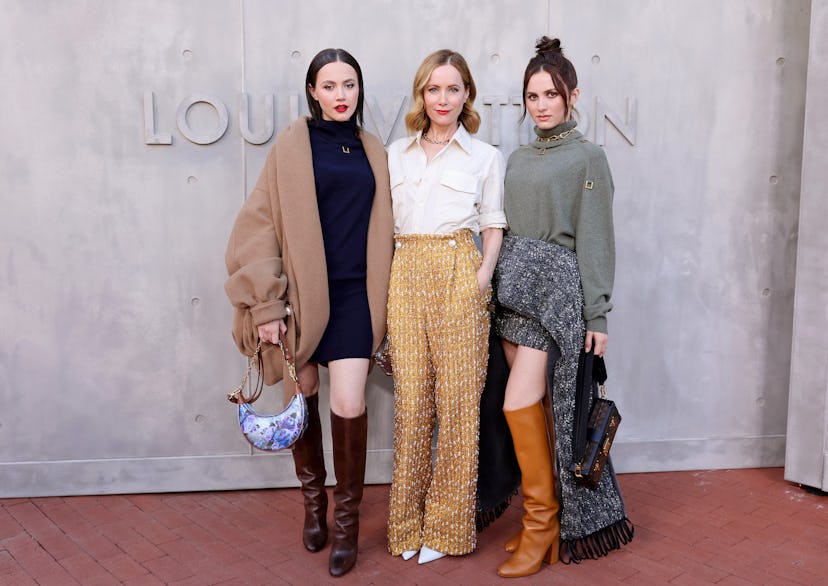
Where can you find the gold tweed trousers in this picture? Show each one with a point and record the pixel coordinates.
(438, 326)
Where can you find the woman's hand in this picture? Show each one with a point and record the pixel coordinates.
(491, 239)
(484, 277)
(598, 341)
(270, 331)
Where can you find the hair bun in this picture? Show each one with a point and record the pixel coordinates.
(547, 45)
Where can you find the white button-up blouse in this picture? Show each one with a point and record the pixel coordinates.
(461, 187)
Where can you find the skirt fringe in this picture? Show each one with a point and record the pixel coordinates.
(598, 544)
(485, 518)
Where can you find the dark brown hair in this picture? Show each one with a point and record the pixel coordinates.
(321, 59)
(549, 57)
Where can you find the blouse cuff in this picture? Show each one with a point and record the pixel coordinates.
(492, 220)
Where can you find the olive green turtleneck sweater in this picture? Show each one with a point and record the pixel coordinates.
(560, 190)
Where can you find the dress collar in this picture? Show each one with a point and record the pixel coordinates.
(344, 133)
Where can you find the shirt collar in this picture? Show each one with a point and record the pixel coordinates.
(461, 137)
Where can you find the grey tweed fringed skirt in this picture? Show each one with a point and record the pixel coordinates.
(520, 330)
(524, 328)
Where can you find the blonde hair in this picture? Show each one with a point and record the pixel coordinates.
(416, 119)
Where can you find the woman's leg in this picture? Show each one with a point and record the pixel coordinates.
(531, 433)
(459, 349)
(409, 294)
(527, 376)
(349, 434)
(509, 351)
(309, 462)
(348, 378)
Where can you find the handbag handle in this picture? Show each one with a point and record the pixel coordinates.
(592, 373)
(237, 394)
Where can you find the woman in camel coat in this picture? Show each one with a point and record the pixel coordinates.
(310, 257)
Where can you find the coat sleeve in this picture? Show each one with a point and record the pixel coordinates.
(595, 241)
(257, 284)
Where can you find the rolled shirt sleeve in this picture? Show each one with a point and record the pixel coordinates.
(491, 214)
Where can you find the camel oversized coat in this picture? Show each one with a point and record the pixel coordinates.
(276, 255)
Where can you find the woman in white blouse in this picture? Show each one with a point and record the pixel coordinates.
(445, 186)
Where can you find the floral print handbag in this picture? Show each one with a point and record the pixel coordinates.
(270, 432)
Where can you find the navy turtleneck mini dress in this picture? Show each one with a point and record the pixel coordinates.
(345, 193)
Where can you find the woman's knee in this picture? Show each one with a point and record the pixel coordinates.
(347, 380)
(347, 403)
(308, 377)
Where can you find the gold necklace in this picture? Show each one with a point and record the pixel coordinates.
(555, 137)
(435, 141)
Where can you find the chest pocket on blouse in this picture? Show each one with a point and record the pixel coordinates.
(398, 187)
(397, 180)
(459, 181)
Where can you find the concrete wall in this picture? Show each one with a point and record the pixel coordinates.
(114, 346)
(806, 459)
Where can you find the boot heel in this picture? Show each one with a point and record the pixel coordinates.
(551, 556)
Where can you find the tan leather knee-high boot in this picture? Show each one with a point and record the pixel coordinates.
(309, 462)
(350, 438)
(540, 536)
(514, 541)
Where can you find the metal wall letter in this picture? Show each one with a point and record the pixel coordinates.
(494, 121)
(293, 107)
(385, 126)
(150, 135)
(189, 133)
(627, 127)
(244, 120)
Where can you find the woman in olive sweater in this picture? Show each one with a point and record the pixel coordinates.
(554, 280)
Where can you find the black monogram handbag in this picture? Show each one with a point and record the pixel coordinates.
(596, 421)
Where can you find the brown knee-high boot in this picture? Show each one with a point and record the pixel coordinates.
(514, 541)
(350, 438)
(540, 536)
(310, 470)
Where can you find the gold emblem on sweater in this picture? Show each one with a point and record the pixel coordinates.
(346, 150)
(588, 184)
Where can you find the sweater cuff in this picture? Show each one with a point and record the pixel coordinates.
(598, 324)
(268, 311)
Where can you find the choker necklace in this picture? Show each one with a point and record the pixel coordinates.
(434, 140)
(555, 137)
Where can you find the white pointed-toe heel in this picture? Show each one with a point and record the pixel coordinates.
(429, 555)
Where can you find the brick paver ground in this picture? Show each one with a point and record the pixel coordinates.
(728, 527)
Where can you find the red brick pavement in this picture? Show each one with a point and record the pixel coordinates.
(728, 527)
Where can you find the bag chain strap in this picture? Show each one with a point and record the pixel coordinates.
(255, 361)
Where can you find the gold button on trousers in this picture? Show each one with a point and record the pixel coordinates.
(438, 326)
